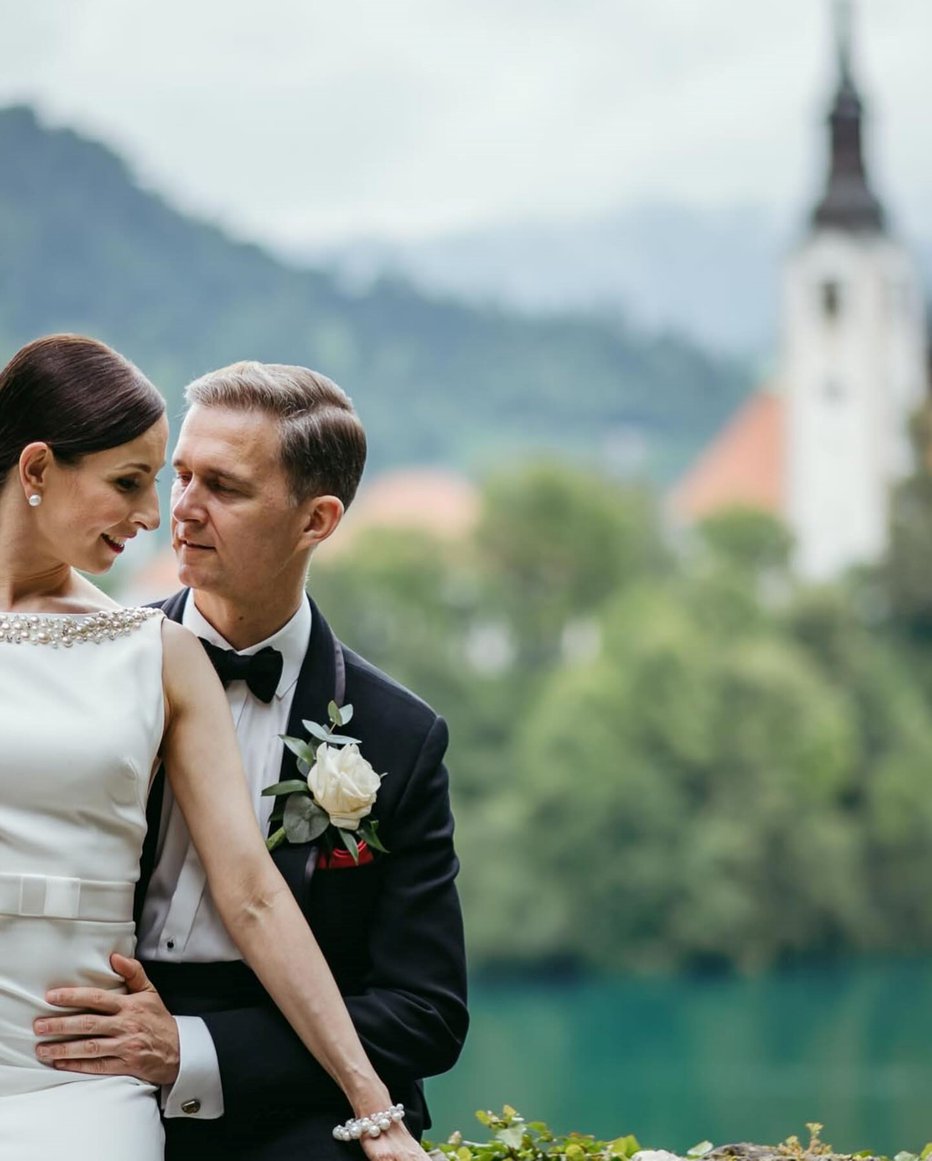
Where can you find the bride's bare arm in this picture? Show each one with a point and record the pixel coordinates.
(202, 759)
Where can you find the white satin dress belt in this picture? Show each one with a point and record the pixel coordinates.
(61, 897)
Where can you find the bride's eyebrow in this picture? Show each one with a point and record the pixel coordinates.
(141, 467)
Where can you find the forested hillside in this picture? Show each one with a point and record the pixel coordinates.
(85, 248)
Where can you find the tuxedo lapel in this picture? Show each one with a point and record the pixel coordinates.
(319, 683)
(173, 608)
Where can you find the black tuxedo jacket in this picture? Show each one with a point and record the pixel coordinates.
(391, 931)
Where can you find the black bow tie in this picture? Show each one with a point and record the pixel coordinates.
(261, 671)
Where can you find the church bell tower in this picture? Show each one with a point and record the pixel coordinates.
(853, 353)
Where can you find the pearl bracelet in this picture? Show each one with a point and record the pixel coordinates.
(372, 1126)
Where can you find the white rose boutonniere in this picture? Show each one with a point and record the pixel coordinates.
(343, 783)
(334, 802)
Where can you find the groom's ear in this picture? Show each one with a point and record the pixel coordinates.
(322, 516)
(34, 462)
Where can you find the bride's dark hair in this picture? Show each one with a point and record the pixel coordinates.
(74, 393)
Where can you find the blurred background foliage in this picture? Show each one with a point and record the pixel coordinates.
(665, 755)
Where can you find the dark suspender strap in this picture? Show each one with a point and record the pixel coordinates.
(339, 671)
(339, 693)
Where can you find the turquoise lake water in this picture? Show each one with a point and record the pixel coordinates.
(677, 1061)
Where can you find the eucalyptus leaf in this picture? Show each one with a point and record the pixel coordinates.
(317, 731)
(303, 819)
(290, 786)
(339, 714)
(342, 740)
(301, 749)
(370, 832)
(349, 841)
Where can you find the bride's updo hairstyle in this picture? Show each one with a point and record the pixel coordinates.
(75, 394)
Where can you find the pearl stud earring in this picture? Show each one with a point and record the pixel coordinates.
(34, 500)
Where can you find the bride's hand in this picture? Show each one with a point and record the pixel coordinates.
(394, 1144)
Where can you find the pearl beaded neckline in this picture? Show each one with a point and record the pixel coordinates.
(69, 629)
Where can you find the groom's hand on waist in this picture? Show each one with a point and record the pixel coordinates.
(112, 1034)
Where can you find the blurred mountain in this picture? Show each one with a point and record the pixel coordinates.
(710, 275)
(436, 381)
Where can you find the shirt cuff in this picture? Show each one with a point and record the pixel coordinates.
(197, 1092)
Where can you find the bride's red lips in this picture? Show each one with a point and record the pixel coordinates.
(113, 545)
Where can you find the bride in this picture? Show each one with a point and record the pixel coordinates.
(92, 698)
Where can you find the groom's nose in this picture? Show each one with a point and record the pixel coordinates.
(184, 502)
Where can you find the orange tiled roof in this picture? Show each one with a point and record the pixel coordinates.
(742, 466)
(431, 499)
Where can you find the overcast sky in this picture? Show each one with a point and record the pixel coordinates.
(306, 120)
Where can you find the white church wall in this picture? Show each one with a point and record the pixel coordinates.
(852, 370)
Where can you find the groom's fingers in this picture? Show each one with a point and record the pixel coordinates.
(91, 999)
(84, 1024)
(132, 1034)
(109, 1051)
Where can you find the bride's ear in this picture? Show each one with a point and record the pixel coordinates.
(324, 514)
(34, 462)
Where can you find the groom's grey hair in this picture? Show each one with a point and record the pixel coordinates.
(323, 444)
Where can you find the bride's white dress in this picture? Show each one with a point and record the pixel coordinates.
(81, 715)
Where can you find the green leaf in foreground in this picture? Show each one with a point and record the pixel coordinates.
(370, 832)
(303, 820)
(511, 1136)
(301, 749)
(349, 841)
(321, 733)
(339, 715)
(514, 1139)
(289, 786)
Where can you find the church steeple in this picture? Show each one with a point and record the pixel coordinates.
(848, 203)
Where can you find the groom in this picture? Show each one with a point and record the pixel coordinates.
(268, 458)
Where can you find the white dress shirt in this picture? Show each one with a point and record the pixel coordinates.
(179, 920)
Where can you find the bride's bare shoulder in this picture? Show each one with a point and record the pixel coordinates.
(179, 644)
(185, 667)
(189, 683)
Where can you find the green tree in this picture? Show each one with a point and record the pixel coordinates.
(555, 544)
(677, 797)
